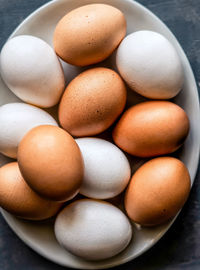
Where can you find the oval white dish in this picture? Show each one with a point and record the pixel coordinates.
(39, 235)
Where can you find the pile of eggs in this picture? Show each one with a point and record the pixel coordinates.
(64, 171)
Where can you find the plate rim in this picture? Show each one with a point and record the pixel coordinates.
(7, 215)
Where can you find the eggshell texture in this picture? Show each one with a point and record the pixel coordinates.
(152, 128)
(89, 34)
(16, 119)
(92, 102)
(150, 65)
(32, 71)
(106, 168)
(157, 191)
(50, 162)
(19, 199)
(93, 230)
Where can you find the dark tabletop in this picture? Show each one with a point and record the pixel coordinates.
(180, 247)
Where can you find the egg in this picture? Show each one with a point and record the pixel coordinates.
(51, 162)
(93, 230)
(19, 199)
(92, 102)
(16, 119)
(106, 168)
(89, 34)
(32, 71)
(151, 128)
(150, 65)
(157, 191)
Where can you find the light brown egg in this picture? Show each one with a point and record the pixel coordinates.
(157, 191)
(92, 102)
(89, 34)
(19, 199)
(152, 128)
(50, 162)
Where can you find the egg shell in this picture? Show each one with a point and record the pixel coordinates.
(106, 168)
(151, 128)
(32, 71)
(19, 199)
(93, 230)
(89, 34)
(51, 162)
(92, 102)
(150, 65)
(157, 191)
(16, 119)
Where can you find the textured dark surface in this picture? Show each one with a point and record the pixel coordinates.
(180, 247)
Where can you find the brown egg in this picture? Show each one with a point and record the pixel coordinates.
(152, 128)
(92, 102)
(19, 199)
(50, 162)
(89, 34)
(157, 191)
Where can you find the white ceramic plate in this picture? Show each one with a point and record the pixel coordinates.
(40, 236)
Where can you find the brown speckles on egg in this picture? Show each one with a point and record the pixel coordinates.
(157, 191)
(92, 102)
(89, 34)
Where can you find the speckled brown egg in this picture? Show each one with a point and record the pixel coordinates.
(50, 162)
(152, 128)
(157, 191)
(92, 102)
(19, 199)
(89, 34)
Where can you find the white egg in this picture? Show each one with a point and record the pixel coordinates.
(150, 65)
(107, 170)
(16, 119)
(93, 230)
(32, 71)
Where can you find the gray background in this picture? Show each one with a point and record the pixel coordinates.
(180, 247)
